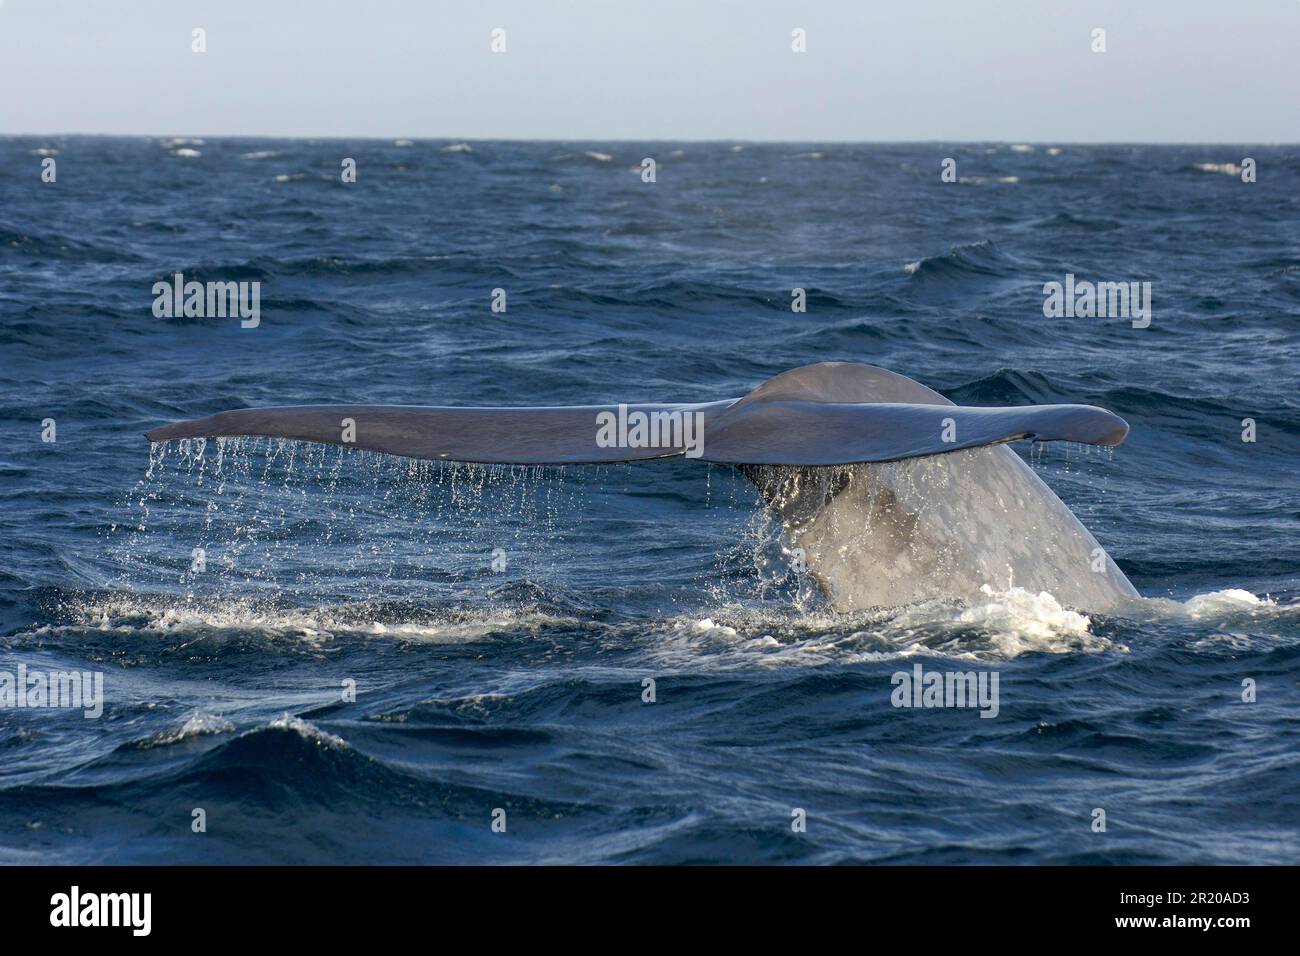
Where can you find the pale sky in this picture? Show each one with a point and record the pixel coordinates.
(1017, 70)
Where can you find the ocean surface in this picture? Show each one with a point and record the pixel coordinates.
(231, 594)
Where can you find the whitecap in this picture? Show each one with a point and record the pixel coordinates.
(307, 731)
(1227, 169)
(196, 724)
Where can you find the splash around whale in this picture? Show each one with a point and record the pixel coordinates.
(889, 493)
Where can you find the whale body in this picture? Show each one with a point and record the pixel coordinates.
(891, 493)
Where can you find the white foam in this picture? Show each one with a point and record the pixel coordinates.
(1018, 621)
(1227, 169)
(1232, 616)
(1233, 603)
(1228, 600)
(708, 624)
(163, 616)
(1003, 626)
(307, 731)
(196, 724)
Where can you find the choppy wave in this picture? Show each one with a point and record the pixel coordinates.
(196, 724)
(974, 260)
(645, 680)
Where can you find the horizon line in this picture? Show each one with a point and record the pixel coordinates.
(698, 140)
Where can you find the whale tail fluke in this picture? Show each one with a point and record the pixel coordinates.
(831, 413)
(893, 493)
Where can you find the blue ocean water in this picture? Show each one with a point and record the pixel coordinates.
(521, 689)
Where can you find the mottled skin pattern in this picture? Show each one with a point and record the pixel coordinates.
(933, 527)
(939, 527)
